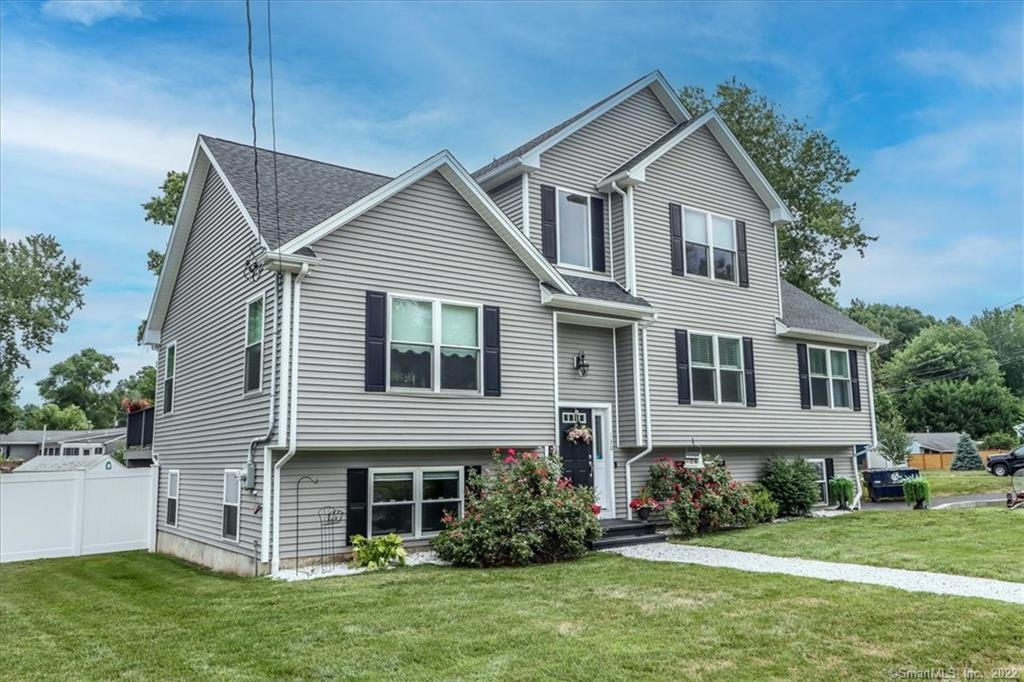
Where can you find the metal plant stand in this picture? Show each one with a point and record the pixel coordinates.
(297, 515)
(330, 524)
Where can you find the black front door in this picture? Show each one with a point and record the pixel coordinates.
(577, 456)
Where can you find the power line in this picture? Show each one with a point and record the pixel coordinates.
(273, 136)
(252, 101)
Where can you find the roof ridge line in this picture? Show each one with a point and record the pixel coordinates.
(298, 156)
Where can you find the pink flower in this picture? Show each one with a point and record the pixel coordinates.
(596, 508)
(510, 459)
(511, 451)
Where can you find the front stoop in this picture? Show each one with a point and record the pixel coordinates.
(618, 533)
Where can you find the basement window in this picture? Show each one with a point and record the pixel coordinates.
(413, 502)
(173, 477)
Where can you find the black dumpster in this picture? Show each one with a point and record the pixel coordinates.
(887, 484)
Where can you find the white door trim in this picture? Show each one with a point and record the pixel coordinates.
(605, 488)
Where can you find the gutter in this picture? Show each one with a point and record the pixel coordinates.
(647, 420)
(275, 565)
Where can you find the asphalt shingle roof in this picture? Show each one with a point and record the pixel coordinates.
(940, 442)
(308, 191)
(65, 463)
(603, 290)
(803, 311)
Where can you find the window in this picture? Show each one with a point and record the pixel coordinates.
(434, 346)
(413, 502)
(572, 217)
(710, 245)
(169, 362)
(98, 450)
(822, 480)
(254, 345)
(71, 451)
(716, 369)
(830, 378)
(232, 499)
(172, 497)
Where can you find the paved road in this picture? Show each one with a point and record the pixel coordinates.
(900, 505)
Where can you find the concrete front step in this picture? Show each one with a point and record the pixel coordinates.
(608, 542)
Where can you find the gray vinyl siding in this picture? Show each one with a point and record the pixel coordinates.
(425, 241)
(24, 452)
(617, 244)
(212, 420)
(623, 338)
(599, 384)
(585, 157)
(509, 198)
(698, 173)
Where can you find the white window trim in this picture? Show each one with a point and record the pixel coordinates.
(245, 341)
(173, 377)
(436, 327)
(811, 376)
(824, 479)
(237, 474)
(176, 473)
(417, 496)
(718, 369)
(709, 224)
(589, 268)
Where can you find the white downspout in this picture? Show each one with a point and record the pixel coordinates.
(293, 421)
(282, 418)
(874, 429)
(650, 438)
(627, 237)
(554, 367)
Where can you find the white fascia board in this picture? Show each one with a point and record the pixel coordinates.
(276, 261)
(784, 330)
(592, 305)
(463, 182)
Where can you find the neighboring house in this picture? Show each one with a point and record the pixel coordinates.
(619, 271)
(26, 444)
(934, 443)
(69, 463)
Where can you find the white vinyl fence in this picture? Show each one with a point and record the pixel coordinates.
(58, 513)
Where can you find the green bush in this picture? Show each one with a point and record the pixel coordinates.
(1000, 441)
(701, 500)
(966, 457)
(521, 511)
(917, 492)
(765, 507)
(380, 552)
(841, 491)
(793, 484)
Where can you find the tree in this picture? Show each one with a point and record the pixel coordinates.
(966, 457)
(82, 380)
(808, 171)
(942, 351)
(977, 408)
(1004, 440)
(893, 440)
(162, 209)
(139, 386)
(10, 413)
(898, 323)
(39, 291)
(1004, 330)
(50, 416)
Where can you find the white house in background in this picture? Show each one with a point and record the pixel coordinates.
(69, 463)
(24, 444)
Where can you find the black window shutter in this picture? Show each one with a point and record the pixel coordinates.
(675, 231)
(830, 469)
(741, 253)
(748, 371)
(548, 232)
(376, 340)
(597, 233)
(356, 494)
(492, 350)
(805, 377)
(855, 380)
(683, 366)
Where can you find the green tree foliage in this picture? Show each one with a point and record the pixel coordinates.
(808, 171)
(794, 485)
(977, 408)
(1004, 329)
(139, 386)
(82, 380)
(893, 440)
(162, 209)
(898, 323)
(50, 416)
(1004, 440)
(942, 351)
(39, 291)
(10, 413)
(966, 457)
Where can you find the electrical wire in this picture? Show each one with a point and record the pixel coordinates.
(252, 101)
(273, 136)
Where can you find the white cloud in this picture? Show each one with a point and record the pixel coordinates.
(89, 12)
(995, 65)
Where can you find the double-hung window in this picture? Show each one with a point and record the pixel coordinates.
(572, 217)
(434, 345)
(830, 377)
(169, 361)
(716, 369)
(173, 481)
(821, 478)
(254, 345)
(413, 502)
(230, 519)
(710, 245)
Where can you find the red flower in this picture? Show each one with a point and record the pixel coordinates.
(596, 508)
(510, 459)
(511, 451)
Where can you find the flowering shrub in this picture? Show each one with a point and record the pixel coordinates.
(521, 511)
(644, 501)
(701, 500)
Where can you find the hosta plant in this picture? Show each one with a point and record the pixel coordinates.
(385, 551)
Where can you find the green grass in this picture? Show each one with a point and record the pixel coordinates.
(982, 542)
(604, 617)
(945, 483)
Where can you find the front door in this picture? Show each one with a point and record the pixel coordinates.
(577, 456)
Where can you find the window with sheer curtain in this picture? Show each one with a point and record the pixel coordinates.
(434, 345)
(710, 245)
(716, 369)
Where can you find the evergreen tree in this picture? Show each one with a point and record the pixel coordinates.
(966, 457)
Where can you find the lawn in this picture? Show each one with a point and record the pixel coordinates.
(982, 542)
(966, 482)
(604, 617)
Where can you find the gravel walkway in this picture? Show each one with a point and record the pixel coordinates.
(913, 581)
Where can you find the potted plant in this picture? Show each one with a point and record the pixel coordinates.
(841, 490)
(917, 491)
(644, 505)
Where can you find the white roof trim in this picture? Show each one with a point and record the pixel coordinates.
(202, 162)
(779, 212)
(782, 329)
(449, 168)
(593, 305)
(531, 157)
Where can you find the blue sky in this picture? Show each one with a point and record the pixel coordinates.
(100, 99)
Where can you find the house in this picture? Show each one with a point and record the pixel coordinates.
(69, 463)
(25, 444)
(934, 450)
(357, 342)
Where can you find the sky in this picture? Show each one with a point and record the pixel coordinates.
(98, 100)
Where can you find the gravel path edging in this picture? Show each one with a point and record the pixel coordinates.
(911, 581)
